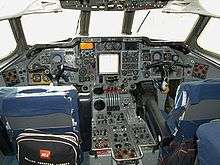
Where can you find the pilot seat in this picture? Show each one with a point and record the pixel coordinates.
(42, 123)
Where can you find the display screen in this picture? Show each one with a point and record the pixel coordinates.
(108, 64)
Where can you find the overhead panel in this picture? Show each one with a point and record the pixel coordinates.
(201, 7)
(112, 5)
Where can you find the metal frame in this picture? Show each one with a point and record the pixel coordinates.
(191, 41)
(84, 22)
(17, 29)
(18, 32)
(187, 6)
(197, 30)
(128, 22)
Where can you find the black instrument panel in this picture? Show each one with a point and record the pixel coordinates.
(87, 61)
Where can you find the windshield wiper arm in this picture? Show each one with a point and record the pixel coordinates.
(139, 28)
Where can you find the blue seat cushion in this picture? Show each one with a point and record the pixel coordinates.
(188, 94)
(209, 143)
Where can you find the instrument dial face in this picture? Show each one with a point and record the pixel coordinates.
(175, 58)
(100, 46)
(57, 58)
(109, 46)
(157, 56)
(117, 46)
(70, 60)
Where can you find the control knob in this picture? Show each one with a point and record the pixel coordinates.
(99, 105)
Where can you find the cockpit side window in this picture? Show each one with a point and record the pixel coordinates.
(209, 38)
(164, 26)
(7, 40)
(50, 27)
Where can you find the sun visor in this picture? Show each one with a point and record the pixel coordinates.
(201, 7)
(12, 9)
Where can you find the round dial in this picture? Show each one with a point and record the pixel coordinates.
(100, 46)
(99, 105)
(117, 46)
(109, 46)
(175, 58)
(157, 56)
(57, 58)
(70, 60)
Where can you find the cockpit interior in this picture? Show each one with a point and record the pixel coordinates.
(109, 82)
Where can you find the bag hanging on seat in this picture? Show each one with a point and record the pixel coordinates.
(37, 148)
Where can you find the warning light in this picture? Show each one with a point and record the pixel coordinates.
(86, 45)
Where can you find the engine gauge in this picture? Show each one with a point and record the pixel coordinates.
(100, 46)
(117, 46)
(109, 46)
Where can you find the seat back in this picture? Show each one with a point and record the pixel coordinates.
(46, 108)
(208, 135)
(196, 103)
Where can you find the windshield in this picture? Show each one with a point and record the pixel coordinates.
(50, 27)
(7, 40)
(209, 39)
(164, 26)
(106, 23)
(46, 28)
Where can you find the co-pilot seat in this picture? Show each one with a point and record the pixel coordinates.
(196, 103)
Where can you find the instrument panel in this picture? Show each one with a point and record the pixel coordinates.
(87, 61)
(95, 61)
